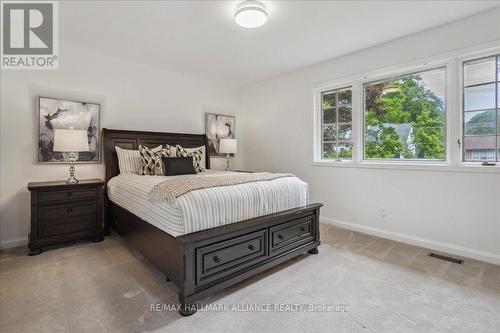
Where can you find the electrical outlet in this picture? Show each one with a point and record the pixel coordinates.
(383, 212)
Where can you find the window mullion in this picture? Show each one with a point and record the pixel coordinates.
(337, 148)
(454, 133)
(357, 122)
(497, 65)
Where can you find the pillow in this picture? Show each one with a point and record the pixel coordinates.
(195, 153)
(129, 161)
(173, 166)
(202, 148)
(151, 160)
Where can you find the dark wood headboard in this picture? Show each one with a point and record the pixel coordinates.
(132, 139)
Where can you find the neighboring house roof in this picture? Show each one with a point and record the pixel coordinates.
(480, 142)
(404, 131)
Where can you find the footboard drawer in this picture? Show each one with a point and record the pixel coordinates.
(291, 234)
(223, 258)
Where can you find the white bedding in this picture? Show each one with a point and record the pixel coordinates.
(207, 208)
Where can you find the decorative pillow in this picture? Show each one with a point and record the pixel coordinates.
(173, 166)
(197, 156)
(196, 149)
(151, 160)
(129, 161)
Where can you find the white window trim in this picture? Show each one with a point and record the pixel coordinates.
(454, 114)
(423, 68)
(461, 61)
(317, 149)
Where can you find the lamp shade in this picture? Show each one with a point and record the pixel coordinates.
(227, 146)
(70, 140)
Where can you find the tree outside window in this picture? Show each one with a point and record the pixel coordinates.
(404, 117)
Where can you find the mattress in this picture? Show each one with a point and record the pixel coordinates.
(205, 208)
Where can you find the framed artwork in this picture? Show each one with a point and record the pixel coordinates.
(63, 114)
(218, 126)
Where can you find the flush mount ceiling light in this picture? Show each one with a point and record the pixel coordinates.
(390, 89)
(251, 14)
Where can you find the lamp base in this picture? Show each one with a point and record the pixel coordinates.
(227, 162)
(72, 180)
(72, 159)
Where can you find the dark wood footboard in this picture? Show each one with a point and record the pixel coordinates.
(208, 261)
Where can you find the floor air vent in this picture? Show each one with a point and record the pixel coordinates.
(446, 258)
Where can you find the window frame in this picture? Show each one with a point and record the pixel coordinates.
(318, 121)
(444, 66)
(463, 62)
(322, 125)
(454, 115)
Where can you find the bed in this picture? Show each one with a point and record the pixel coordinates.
(204, 255)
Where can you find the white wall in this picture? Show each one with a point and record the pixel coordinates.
(459, 212)
(132, 96)
(454, 211)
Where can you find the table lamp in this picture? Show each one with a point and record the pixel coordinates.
(227, 146)
(72, 142)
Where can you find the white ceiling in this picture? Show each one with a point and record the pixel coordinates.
(201, 38)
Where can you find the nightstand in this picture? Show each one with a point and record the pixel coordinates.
(63, 212)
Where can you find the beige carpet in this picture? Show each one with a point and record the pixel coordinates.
(388, 286)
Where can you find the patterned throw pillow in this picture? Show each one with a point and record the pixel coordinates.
(190, 150)
(196, 155)
(151, 160)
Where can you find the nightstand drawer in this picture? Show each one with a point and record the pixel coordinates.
(67, 227)
(58, 214)
(67, 194)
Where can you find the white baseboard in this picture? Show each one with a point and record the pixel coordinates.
(7, 244)
(417, 241)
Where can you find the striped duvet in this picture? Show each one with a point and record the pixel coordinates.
(205, 208)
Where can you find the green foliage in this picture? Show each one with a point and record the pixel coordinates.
(328, 100)
(345, 153)
(388, 145)
(482, 124)
(405, 101)
(428, 136)
(326, 104)
(331, 154)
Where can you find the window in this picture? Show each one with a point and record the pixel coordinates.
(420, 118)
(483, 155)
(404, 117)
(336, 124)
(481, 126)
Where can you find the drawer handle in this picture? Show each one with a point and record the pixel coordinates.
(302, 229)
(280, 236)
(251, 247)
(216, 259)
(69, 210)
(69, 194)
